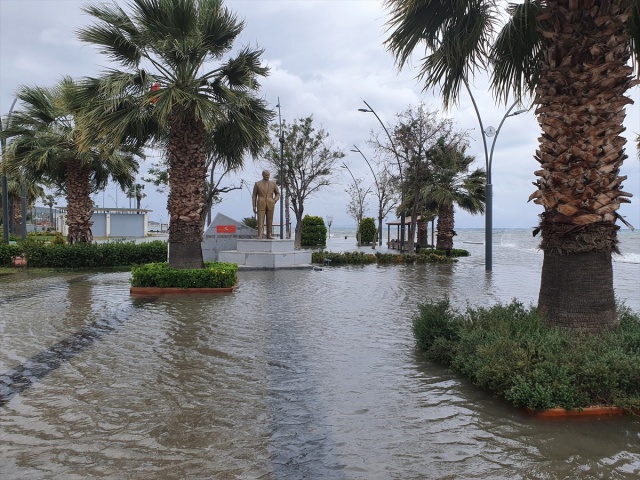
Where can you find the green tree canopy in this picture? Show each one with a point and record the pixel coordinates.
(178, 88)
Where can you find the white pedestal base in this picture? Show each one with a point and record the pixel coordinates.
(266, 254)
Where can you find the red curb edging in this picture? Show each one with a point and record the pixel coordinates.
(583, 412)
(19, 261)
(160, 291)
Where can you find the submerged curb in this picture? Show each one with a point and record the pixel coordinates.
(578, 412)
(160, 291)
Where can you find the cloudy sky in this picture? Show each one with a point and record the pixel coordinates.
(326, 57)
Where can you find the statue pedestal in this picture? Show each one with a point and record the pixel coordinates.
(266, 254)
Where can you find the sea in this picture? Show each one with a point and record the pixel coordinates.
(516, 266)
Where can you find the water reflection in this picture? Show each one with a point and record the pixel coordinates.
(297, 374)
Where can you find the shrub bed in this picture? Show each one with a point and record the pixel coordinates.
(361, 258)
(7, 252)
(84, 255)
(160, 275)
(510, 351)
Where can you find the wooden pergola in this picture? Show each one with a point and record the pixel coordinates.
(394, 244)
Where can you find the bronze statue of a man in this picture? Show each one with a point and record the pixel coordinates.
(265, 196)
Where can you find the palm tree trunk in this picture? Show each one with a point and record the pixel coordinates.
(423, 233)
(17, 213)
(411, 236)
(581, 100)
(79, 204)
(444, 238)
(187, 175)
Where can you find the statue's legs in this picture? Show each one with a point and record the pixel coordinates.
(260, 223)
(270, 223)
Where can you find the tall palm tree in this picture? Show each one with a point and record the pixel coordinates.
(574, 57)
(51, 143)
(451, 183)
(170, 93)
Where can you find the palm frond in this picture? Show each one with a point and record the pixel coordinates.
(633, 28)
(219, 27)
(456, 36)
(516, 54)
(115, 34)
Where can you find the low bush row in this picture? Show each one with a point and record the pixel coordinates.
(510, 351)
(83, 255)
(361, 258)
(214, 275)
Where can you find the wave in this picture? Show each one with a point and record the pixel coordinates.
(627, 258)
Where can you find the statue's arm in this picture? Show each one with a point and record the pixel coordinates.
(277, 192)
(254, 198)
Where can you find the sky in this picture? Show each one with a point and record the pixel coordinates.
(325, 57)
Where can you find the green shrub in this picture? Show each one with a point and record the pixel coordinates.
(367, 230)
(214, 275)
(314, 232)
(346, 258)
(91, 255)
(510, 351)
(58, 239)
(251, 222)
(359, 258)
(7, 252)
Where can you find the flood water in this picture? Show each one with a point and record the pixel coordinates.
(298, 374)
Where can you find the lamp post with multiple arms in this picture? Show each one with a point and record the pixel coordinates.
(357, 150)
(395, 152)
(281, 140)
(360, 201)
(488, 229)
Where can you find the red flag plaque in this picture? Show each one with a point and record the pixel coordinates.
(225, 229)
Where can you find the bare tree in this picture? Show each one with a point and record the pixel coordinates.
(407, 149)
(329, 220)
(217, 170)
(357, 206)
(308, 160)
(384, 192)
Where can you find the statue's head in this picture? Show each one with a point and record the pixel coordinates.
(266, 174)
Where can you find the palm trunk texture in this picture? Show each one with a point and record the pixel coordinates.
(444, 238)
(581, 103)
(79, 205)
(187, 174)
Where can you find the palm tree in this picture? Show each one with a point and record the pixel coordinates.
(49, 201)
(136, 192)
(574, 57)
(169, 93)
(52, 144)
(14, 193)
(451, 183)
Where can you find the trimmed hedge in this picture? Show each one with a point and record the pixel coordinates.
(367, 230)
(214, 275)
(360, 258)
(84, 255)
(314, 232)
(7, 252)
(510, 351)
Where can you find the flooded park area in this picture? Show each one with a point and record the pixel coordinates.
(297, 374)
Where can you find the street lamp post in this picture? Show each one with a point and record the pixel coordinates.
(360, 202)
(380, 200)
(395, 152)
(114, 200)
(488, 230)
(5, 191)
(281, 140)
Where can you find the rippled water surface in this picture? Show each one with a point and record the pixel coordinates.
(298, 374)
